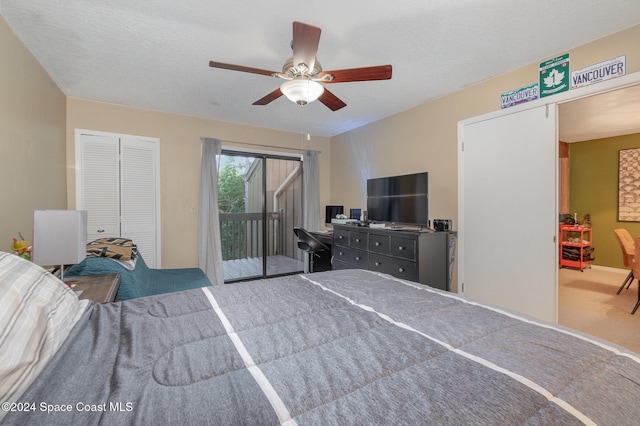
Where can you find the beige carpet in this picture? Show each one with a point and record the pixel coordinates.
(587, 301)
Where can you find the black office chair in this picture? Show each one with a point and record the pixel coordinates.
(310, 244)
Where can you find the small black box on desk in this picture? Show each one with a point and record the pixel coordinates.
(442, 224)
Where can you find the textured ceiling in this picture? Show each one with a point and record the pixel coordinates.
(605, 115)
(155, 54)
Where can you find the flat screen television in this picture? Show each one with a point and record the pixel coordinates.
(399, 199)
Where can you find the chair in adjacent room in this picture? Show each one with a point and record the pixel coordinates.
(636, 270)
(309, 244)
(628, 248)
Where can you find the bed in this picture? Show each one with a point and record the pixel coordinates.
(338, 347)
(138, 280)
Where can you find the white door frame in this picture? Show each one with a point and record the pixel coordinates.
(571, 95)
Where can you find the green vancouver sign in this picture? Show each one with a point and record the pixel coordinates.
(554, 76)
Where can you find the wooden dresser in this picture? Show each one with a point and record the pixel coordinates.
(412, 255)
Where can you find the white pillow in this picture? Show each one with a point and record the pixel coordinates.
(37, 312)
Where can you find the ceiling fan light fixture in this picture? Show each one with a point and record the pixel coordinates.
(301, 90)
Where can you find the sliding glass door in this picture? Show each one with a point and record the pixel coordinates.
(260, 202)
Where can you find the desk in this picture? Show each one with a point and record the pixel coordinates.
(323, 263)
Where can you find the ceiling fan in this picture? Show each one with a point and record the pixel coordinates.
(303, 73)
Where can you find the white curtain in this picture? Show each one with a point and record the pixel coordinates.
(209, 246)
(311, 190)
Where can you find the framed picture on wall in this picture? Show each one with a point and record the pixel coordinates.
(629, 185)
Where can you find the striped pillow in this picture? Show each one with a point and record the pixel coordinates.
(37, 312)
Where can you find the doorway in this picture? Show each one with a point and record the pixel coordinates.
(481, 256)
(260, 202)
(596, 129)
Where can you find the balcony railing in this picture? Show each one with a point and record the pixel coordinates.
(242, 235)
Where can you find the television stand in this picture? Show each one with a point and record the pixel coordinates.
(414, 255)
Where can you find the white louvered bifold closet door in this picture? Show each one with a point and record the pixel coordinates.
(118, 185)
(138, 196)
(99, 185)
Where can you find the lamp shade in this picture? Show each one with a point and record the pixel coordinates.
(302, 90)
(59, 237)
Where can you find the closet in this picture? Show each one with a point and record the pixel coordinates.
(117, 182)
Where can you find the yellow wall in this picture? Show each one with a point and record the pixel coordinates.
(32, 140)
(593, 189)
(180, 162)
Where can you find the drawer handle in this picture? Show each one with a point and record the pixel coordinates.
(357, 240)
(357, 257)
(377, 243)
(340, 237)
(400, 248)
(400, 269)
(100, 231)
(341, 254)
(377, 263)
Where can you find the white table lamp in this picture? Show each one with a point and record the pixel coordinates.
(59, 237)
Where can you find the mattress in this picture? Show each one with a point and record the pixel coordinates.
(338, 347)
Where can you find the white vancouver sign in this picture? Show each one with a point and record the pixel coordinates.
(599, 72)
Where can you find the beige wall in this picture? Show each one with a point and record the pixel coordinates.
(425, 138)
(33, 143)
(32, 140)
(180, 162)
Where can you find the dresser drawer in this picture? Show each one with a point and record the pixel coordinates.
(356, 258)
(379, 243)
(341, 236)
(359, 240)
(397, 267)
(403, 247)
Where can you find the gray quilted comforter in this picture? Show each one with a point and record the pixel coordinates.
(341, 347)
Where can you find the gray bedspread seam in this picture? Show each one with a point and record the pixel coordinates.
(449, 348)
(321, 343)
(353, 390)
(280, 409)
(517, 317)
(526, 381)
(613, 352)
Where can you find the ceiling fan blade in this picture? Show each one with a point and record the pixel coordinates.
(331, 101)
(381, 72)
(222, 65)
(305, 45)
(269, 98)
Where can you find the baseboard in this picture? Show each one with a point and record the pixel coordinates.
(610, 269)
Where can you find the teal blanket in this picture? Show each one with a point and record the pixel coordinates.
(142, 281)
